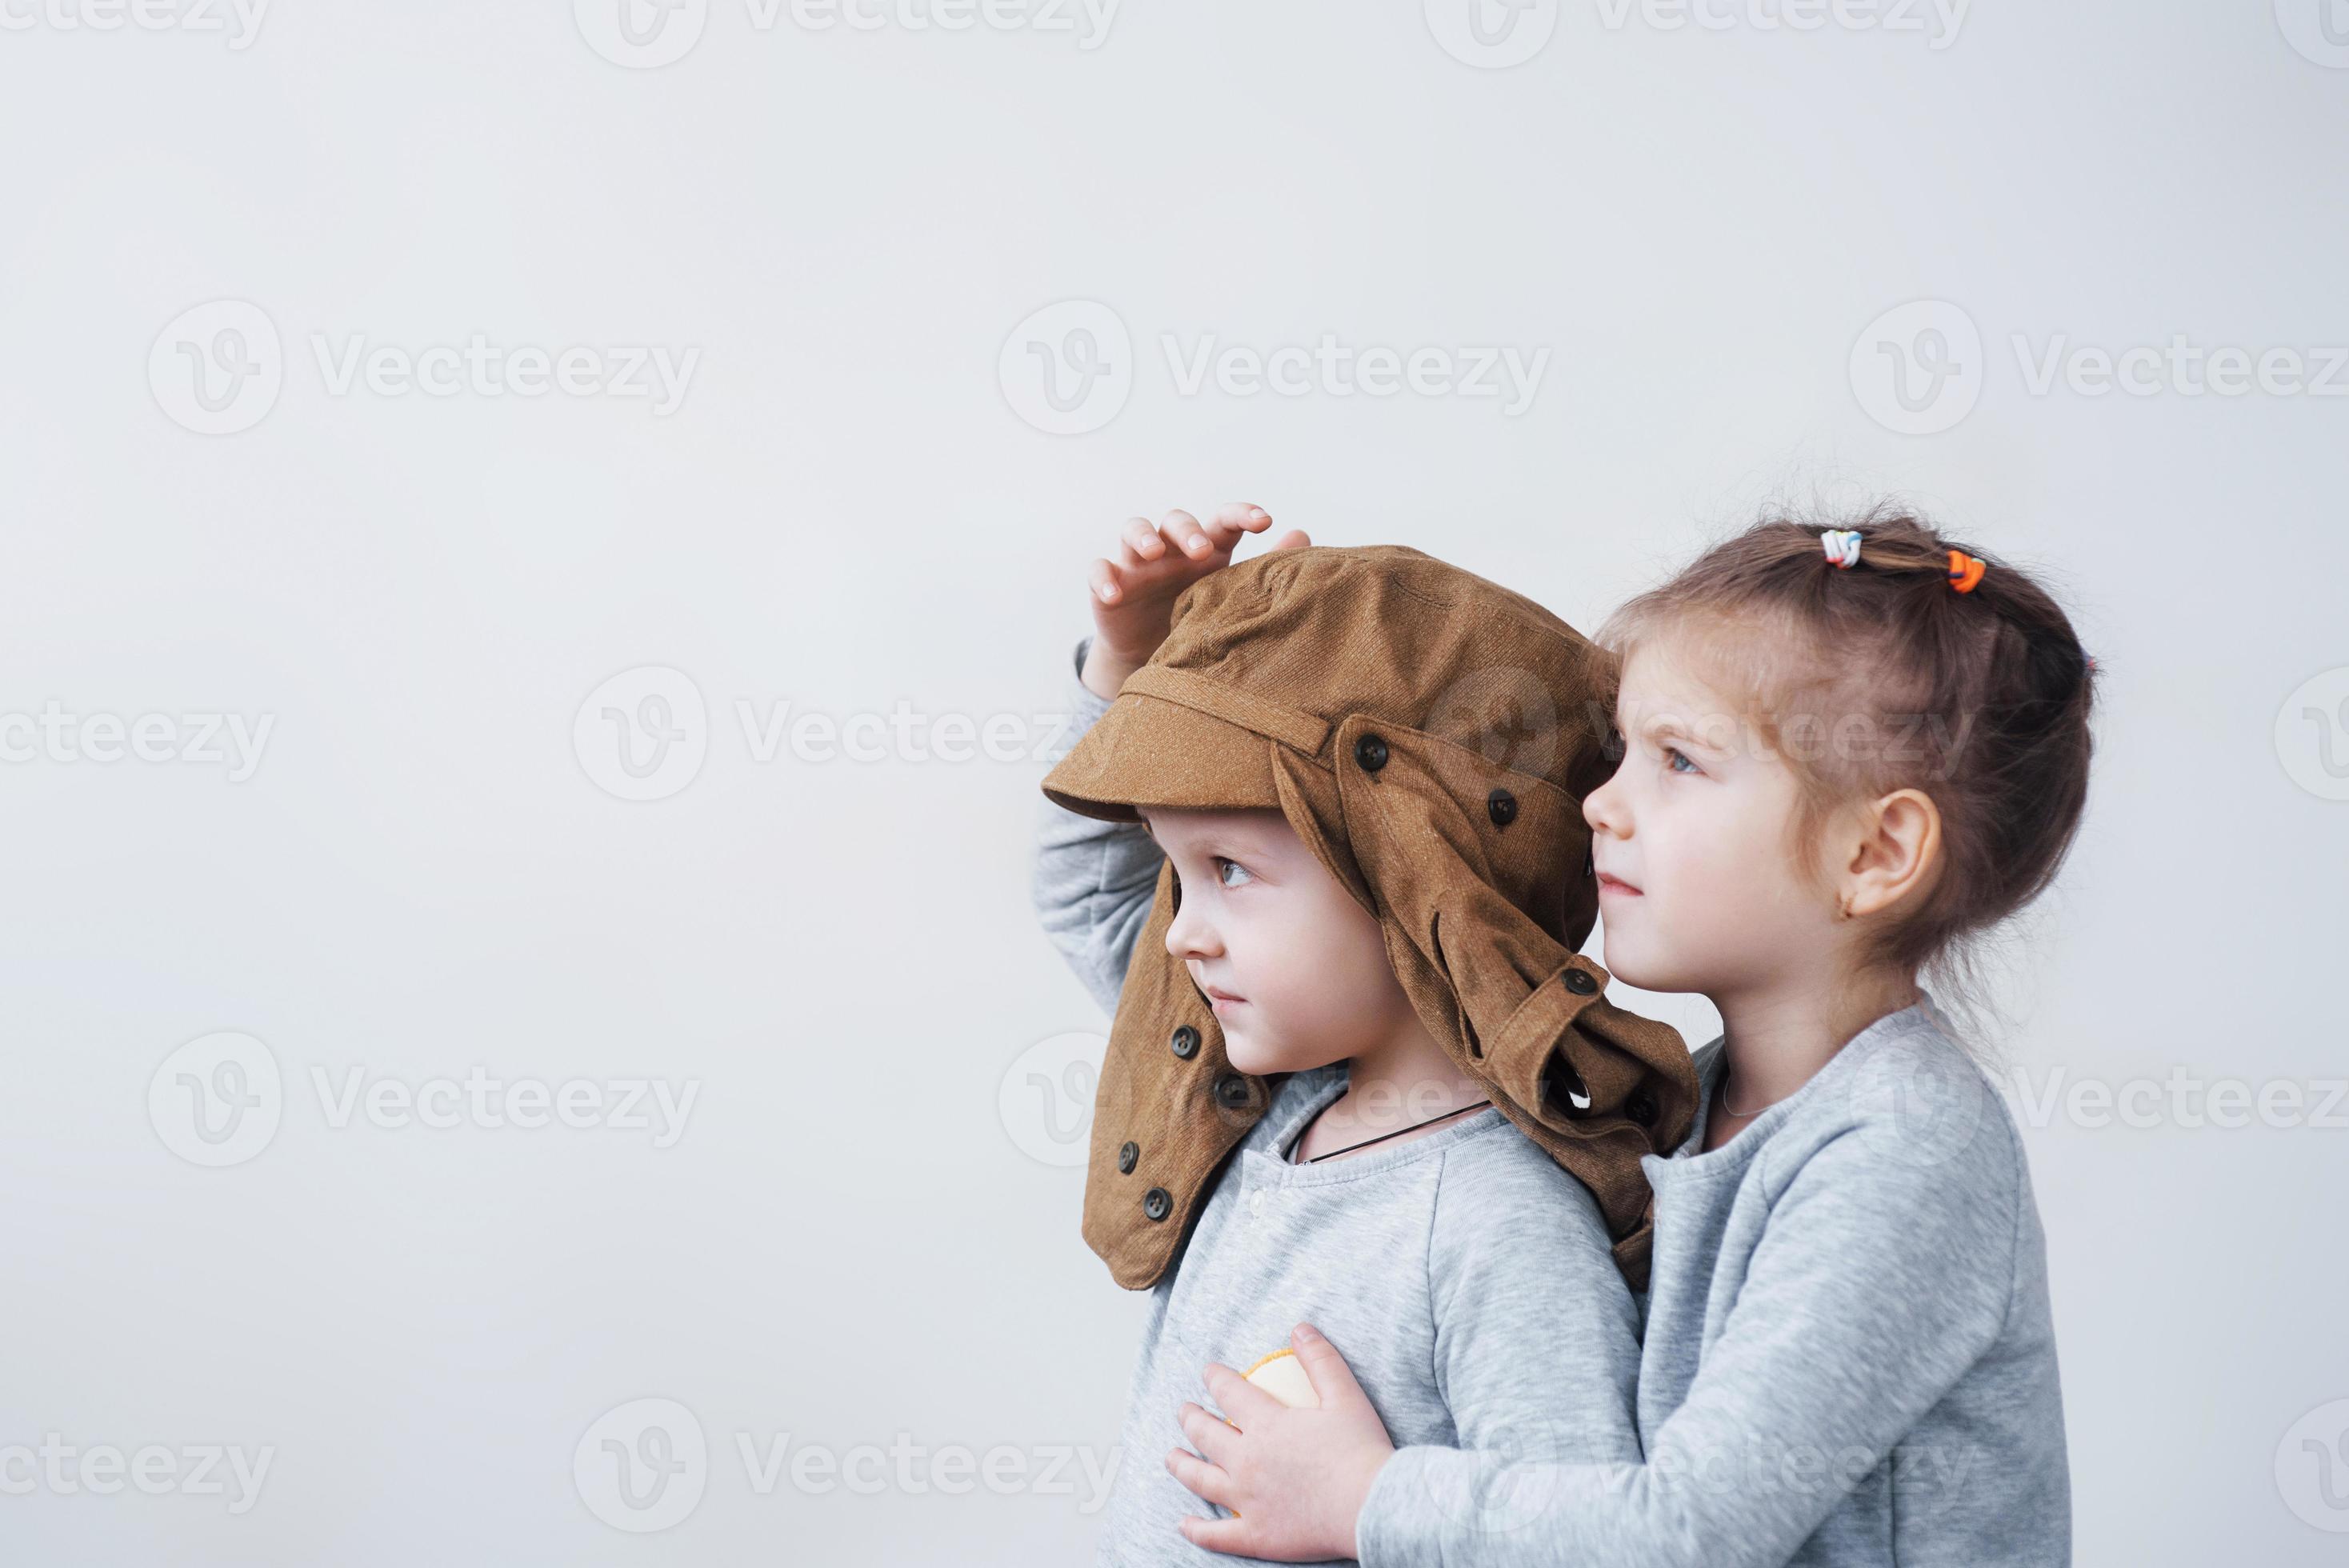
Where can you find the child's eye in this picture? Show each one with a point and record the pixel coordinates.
(1224, 869)
(1675, 756)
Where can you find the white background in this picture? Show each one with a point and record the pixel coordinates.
(847, 513)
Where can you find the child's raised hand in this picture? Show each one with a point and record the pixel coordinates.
(1134, 595)
(1295, 1479)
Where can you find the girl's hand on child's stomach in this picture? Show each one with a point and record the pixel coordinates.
(1134, 595)
(1295, 1479)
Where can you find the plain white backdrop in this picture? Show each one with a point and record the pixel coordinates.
(316, 526)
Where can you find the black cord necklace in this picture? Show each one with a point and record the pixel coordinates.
(1398, 1132)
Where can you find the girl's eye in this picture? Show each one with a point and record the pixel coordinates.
(1224, 869)
(1677, 757)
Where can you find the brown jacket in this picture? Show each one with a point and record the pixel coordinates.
(1430, 736)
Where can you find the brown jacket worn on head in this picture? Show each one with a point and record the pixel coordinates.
(1430, 736)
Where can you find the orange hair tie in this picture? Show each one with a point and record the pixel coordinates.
(1965, 571)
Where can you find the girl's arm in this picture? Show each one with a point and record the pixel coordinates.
(1881, 1279)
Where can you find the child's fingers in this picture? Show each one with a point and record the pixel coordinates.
(1140, 540)
(1182, 532)
(1332, 1379)
(1210, 1435)
(1293, 539)
(1218, 1534)
(1234, 519)
(1202, 1479)
(1103, 577)
(1242, 1400)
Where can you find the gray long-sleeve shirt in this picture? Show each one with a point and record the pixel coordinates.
(1848, 1351)
(1468, 1277)
(1848, 1356)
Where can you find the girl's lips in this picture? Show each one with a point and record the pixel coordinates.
(1608, 884)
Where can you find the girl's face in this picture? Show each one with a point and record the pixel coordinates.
(1296, 970)
(1697, 891)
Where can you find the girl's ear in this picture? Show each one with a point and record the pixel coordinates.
(1899, 853)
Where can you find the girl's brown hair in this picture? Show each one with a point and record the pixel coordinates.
(1981, 700)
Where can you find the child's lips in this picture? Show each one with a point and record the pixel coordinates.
(1220, 1000)
(1616, 885)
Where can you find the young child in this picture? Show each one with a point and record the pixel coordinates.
(1357, 1072)
(1847, 752)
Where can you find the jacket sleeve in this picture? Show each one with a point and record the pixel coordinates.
(1093, 882)
(1877, 1283)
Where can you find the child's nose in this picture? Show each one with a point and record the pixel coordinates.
(1605, 811)
(1190, 936)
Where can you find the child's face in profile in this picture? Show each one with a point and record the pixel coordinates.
(1696, 889)
(1296, 971)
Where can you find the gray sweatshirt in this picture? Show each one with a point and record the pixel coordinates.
(1467, 1276)
(1848, 1352)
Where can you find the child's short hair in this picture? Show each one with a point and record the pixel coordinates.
(1871, 671)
